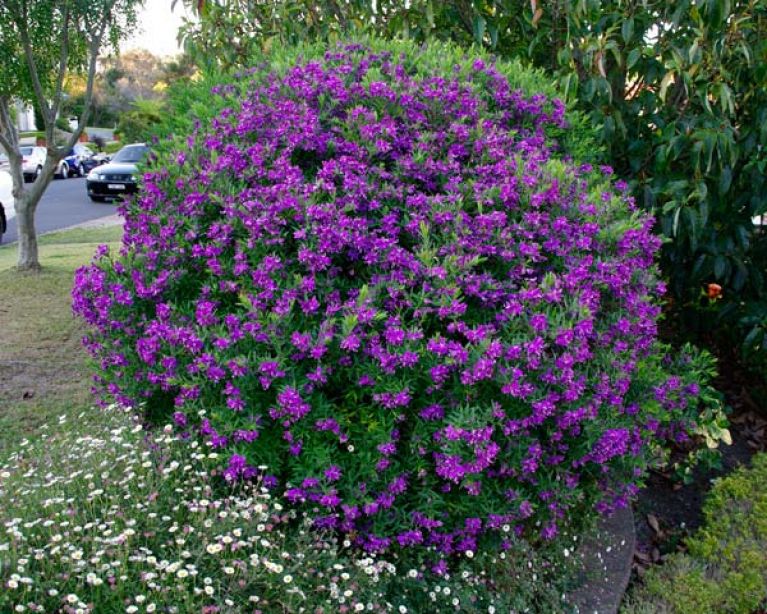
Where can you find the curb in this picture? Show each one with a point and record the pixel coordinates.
(99, 222)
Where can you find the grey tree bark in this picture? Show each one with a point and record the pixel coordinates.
(27, 199)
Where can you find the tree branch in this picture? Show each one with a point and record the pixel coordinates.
(45, 111)
(93, 48)
(634, 89)
(10, 141)
(63, 57)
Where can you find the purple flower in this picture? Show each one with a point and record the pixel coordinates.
(612, 443)
(333, 473)
(410, 253)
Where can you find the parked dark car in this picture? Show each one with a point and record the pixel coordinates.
(6, 201)
(118, 177)
(3, 222)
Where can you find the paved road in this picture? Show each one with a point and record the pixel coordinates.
(64, 204)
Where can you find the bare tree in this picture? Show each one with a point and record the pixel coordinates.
(42, 41)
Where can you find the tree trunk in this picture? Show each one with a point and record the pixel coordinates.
(25, 223)
(25, 201)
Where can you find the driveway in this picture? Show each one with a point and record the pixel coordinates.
(64, 204)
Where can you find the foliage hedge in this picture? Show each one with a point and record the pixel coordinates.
(137, 124)
(374, 278)
(675, 91)
(725, 569)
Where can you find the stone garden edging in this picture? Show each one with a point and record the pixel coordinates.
(606, 558)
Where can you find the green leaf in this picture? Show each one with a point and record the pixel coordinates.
(492, 30)
(668, 78)
(691, 217)
(627, 29)
(754, 337)
(692, 53)
(675, 225)
(570, 85)
(479, 29)
(720, 266)
(725, 179)
(633, 57)
(740, 277)
(742, 235)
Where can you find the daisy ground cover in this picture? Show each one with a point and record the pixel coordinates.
(99, 515)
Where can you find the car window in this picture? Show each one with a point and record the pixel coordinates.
(26, 151)
(131, 154)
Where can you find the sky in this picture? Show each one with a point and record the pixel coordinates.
(157, 28)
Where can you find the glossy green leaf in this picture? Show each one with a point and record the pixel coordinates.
(479, 29)
(725, 180)
(627, 29)
(720, 266)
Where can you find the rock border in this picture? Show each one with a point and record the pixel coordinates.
(606, 558)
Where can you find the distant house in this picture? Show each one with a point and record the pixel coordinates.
(25, 117)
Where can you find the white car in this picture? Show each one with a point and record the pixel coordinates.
(6, 202)
(33, 159)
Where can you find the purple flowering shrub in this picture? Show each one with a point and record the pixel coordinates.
(378, 275)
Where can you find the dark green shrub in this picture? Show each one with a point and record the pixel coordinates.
(138, 124)
(726, 567)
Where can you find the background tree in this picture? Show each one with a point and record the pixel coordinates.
(136, 124)
(128, 77)
(41, 43)
(179, 67)
(676, 90)
(123, 80)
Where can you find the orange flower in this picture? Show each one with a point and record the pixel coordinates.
(714, 291)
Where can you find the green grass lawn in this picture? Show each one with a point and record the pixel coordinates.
(42, 364)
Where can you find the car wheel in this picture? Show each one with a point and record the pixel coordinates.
(97, 199)
(38, 172)
(63, 170)
(80, 170)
